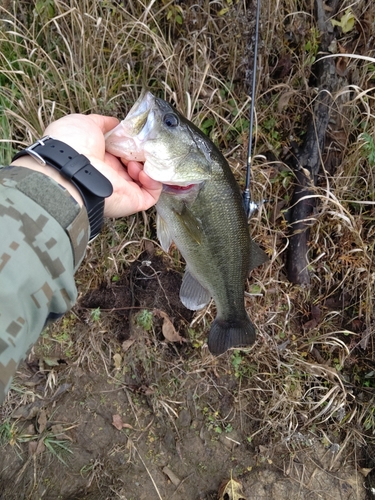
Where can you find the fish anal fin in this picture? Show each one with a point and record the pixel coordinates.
(257, 256)
(192, 294)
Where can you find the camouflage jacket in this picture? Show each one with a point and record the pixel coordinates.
(44, 234)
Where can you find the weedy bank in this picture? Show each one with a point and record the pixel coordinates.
(111, 396)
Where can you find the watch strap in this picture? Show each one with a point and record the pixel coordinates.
(93, 186)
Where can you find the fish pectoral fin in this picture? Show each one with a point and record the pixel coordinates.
(192, 294)
(191, 223)
(257, 256)
(163, 233)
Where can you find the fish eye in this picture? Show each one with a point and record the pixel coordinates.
(171, 120)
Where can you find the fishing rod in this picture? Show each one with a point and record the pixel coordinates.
(249, 205)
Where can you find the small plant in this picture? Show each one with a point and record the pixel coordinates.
(144, 319)
(312, 47)
(11, 434)
(96, 314)
(58, 447)
(237, 361)
(7, 433)
(213, 421)
(368, 147)
(273, 135)
(195, 338)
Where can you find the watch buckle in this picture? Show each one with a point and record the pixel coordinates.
(34, 154)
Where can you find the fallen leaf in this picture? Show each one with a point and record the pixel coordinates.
(52, 361)
(365, 471)
(316, 315)
(36, 379)
(32, 447)
(28, 412)
(284, 100)
(59, 432)
(117, 361)
(172, 476)
(231, 490)
(40, 448)
(127, 344)
(117, 422)
(36, 447)
(31, 430)
(42, 421)
(309, 325)
(168, 329)
(61, 390)
(346, 22)
(342, 66)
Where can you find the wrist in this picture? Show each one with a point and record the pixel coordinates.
(32, 164)
(77, 169)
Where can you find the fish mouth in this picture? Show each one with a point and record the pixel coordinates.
(125, 140)
(136, 119)
(177, 187)
(181, 188)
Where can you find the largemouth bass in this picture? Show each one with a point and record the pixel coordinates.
(200, 210)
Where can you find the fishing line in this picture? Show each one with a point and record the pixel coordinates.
(249, 205)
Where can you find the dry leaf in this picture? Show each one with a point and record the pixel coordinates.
(36, 447)
(117, 361)
(42, 421)
(231, 490)
(172, 476)
(32, 447)
(316, 315)
(31, 430)
(284, 100)
(127, 344)
(52, 360)
(117, 422)
(346, 22)
(168, 329)
(59, 431)
(28, 412)
(365, 472)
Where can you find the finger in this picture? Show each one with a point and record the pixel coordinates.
(134, 169)
(106, 123)
(114, 162)
(149, 184)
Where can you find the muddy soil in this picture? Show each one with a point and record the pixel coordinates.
(131, 430)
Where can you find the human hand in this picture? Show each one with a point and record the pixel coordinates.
(133, 190)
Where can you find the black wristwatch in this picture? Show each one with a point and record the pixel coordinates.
(92, 185)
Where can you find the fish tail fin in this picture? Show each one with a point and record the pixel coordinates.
(225, 334)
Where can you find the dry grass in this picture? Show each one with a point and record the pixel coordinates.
(311, 368)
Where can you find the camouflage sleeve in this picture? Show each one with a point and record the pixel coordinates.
(44, 234)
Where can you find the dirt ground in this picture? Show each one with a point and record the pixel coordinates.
(117, 435)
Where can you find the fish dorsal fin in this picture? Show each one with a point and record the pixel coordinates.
(163, 233)
(192, 294)
(190, 223)
(257, 256)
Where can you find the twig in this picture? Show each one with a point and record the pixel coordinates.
(149, 473)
